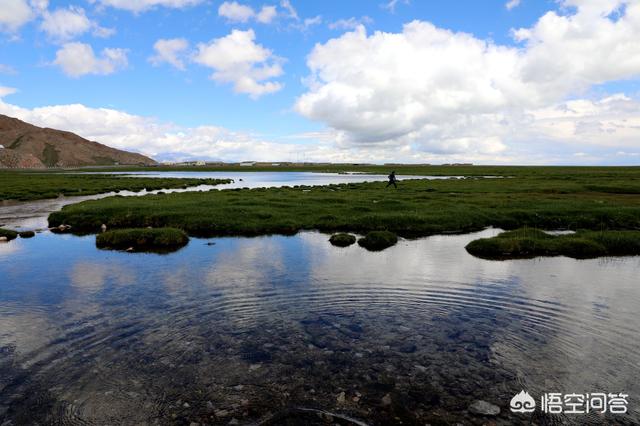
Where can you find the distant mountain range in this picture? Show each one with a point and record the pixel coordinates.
(27, 146)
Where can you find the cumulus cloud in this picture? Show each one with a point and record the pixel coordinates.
(137, 6)
(157, 139)
(548, 135)
(169, 51)
(78, 59)
(14, 14)
(67, 23)
(238, 60)
(444, 92)
(236, 12)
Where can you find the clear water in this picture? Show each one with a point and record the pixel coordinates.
(254, 330)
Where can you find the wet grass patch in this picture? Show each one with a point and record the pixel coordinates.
(527, 243)
(161, 239)
(8, 234)
(342, 239)
(378, 240)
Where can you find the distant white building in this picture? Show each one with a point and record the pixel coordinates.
(248, 163)
(200, 163)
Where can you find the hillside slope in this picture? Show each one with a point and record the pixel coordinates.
(29, 146)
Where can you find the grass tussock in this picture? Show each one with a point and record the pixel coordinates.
(378, 240)
(27, 234)
(528, 243)
(8, 234)
(162, 239)
(342, 239)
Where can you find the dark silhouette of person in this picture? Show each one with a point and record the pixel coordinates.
(392, 180)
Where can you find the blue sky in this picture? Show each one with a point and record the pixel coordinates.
(326, 111)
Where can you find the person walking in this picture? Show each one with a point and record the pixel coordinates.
(392, 180)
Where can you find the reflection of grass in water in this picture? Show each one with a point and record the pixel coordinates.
(378, 240)
(143, 239)
(525, 243)
(342, 239)
(35, 185)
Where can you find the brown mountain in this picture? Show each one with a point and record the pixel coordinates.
(29, 146)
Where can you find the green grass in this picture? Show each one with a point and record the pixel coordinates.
(378, 240)
(417, 208)
(160, 239)
(33, 185)
(342, 239)
(527, 243)
(9, 234)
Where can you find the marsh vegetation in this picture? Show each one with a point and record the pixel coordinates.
(599, 199)
(162, 239)
(33, 185)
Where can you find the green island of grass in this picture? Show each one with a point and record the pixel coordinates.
(8, 234)
(342, 239)
(36, 185)
(378, 240)
(603, 199)
(527, 243)
(146, 239)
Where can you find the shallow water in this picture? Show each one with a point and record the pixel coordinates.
(252, 328)
(32, 215)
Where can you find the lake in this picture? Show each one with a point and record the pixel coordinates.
(292, 330)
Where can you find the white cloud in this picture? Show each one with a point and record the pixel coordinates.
(350, 24)
(433, 90)
(512, 4)
(144, 5)
(266, 14)
(78, 59)
(160, 140)
(390, 5)
(14, 14)
(169, 51)
(236, 12)
(5, 91)
(237, 59)
(291, 11)
(546, 136)
(66, 24)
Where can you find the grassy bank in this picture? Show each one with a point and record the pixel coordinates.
(527, 243)
(418, 208)
(25, 185)
(162, 239)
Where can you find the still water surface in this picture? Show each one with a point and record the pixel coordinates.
(247, 329)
